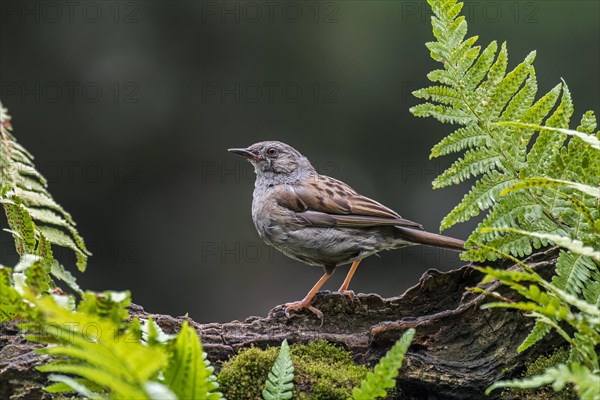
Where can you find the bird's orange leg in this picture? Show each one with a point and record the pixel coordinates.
(344, 288)
(305, 302)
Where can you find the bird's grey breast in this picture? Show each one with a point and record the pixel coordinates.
(268, 216)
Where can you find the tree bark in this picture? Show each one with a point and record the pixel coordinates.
(458, 350)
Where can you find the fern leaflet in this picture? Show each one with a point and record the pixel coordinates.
(34, 217)
(189, 374)
(384, 375)
(279, 381)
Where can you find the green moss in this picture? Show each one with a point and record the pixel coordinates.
(542, 363)
(243, 376)
(322, 371)
(538, 367)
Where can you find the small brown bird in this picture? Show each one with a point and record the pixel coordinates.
(322, 221)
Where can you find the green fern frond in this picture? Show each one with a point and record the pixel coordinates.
(589, 139)
(60, 238)
(539, 331)
(551, 306)
(152, 333)
(189, 374)
(278, 385)
(592, 290)
(11, 303)
(540, 109)
(549, 182)
(441, 94)
(506, 89)
(33, 272)
(67, 384)
(20, 222)
(573, 245)
(108, 304)
(481, 197)
(384, 375)
(59, 272)
(443, 113)
(550, 311)
(585, 381)
(538, 180)
(95, 350)
(590, 310)
(573, 272)
(500, 119)
(33, 215)
(548, 142)
(516, 209)
(461, 139)
(471, 164)
(521, 101)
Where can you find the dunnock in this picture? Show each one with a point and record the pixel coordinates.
(322, 221)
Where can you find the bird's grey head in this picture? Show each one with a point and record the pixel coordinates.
(276, 162)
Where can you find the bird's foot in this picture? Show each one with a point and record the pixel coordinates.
(346, 292)
(302, 305)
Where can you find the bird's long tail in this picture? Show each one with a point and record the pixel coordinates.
(430, 239)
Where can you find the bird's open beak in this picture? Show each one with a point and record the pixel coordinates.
(244, 152)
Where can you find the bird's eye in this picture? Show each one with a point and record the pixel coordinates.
(271, 151)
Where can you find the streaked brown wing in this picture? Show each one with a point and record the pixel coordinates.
(325, 201)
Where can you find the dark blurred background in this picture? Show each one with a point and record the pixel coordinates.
(129, 108)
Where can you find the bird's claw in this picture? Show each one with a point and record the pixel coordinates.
(349, 293)
(302, 305)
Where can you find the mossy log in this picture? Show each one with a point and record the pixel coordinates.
(457, 352)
